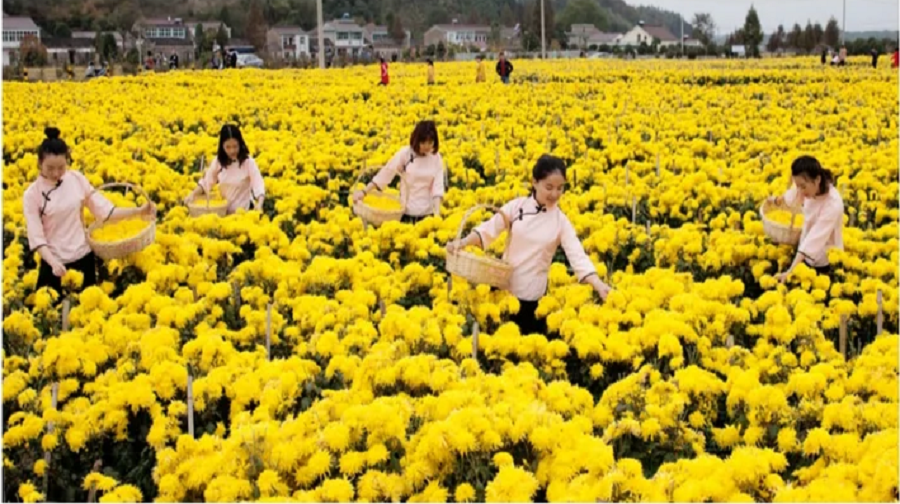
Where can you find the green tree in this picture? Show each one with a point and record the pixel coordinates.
(753, 35)
(106, 46)
(818, 34)
(808, 42)
(32, 51)
(704, 28)
(581, 12)
(396, 31)
(795, 38)
(62, 30)
(122, 17)
(199, 40)
(494, 39)
(256, 26)
(222, 36)
(507, 16)
(776, 40)
(832, 35)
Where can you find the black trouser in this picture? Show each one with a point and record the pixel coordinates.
(87, 265)
(526, 320)
(410, 219)
(822, 270)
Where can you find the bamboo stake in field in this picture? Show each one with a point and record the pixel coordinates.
(269, 331)
(92, 494)
(633, 210)
(475, 332)
(190, 403)
(879, 319)
(54, 396)
(842, 342)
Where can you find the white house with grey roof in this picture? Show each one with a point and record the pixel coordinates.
(15, 30)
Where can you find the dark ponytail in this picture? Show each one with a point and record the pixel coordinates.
(810, 167)
(52, 145)
(547, 165)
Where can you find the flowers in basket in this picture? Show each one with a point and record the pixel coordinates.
(381, 202)
(784, 217)
(118, 231)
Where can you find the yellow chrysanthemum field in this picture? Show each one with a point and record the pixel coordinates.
(701, 378)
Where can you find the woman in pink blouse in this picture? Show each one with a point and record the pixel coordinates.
(423, 170)
(539, 228)
(235, 172)
(53, 216)
(823, 214)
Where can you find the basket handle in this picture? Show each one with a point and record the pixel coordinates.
(506, 221)
(376, 169)
(133, 187)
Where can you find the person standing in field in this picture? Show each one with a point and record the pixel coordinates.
(479, 73)
(823, 214)
(385, 79)
(430, 72)
(421, 165)
(235, 172)
(52, 206)
(538, 229)
(504, 68)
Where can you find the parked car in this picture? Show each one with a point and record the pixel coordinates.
(249, 61)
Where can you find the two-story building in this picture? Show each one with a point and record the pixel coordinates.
(288, 42)
(347, 37)
(458, 34)
(587, 36)
(15, 30)
(646, 34)
(163, 37)
(379, 39)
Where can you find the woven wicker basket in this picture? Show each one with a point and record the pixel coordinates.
(481, 269)
(121, 248)
(777, 232)
(378, 216)
(196, 210)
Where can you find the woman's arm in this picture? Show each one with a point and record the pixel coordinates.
(206, 183)
(437, 188)
(581, 264)
(37, 242)
(257, 185)
(814, 244)
(385, 175)
(486, 232)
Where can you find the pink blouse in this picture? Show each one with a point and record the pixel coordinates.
(424, 179)
(53, 215)
(823, 224)
(239, 184)
(536, 234)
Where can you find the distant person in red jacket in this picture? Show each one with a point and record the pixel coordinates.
(384, 72)
(895, 58)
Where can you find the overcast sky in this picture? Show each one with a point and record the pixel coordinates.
(862, 15)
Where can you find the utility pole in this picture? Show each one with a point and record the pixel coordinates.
(321, 31)
(543, 36)
(844, 23)
(682, 36)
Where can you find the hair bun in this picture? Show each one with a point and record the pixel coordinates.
(51, 133)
